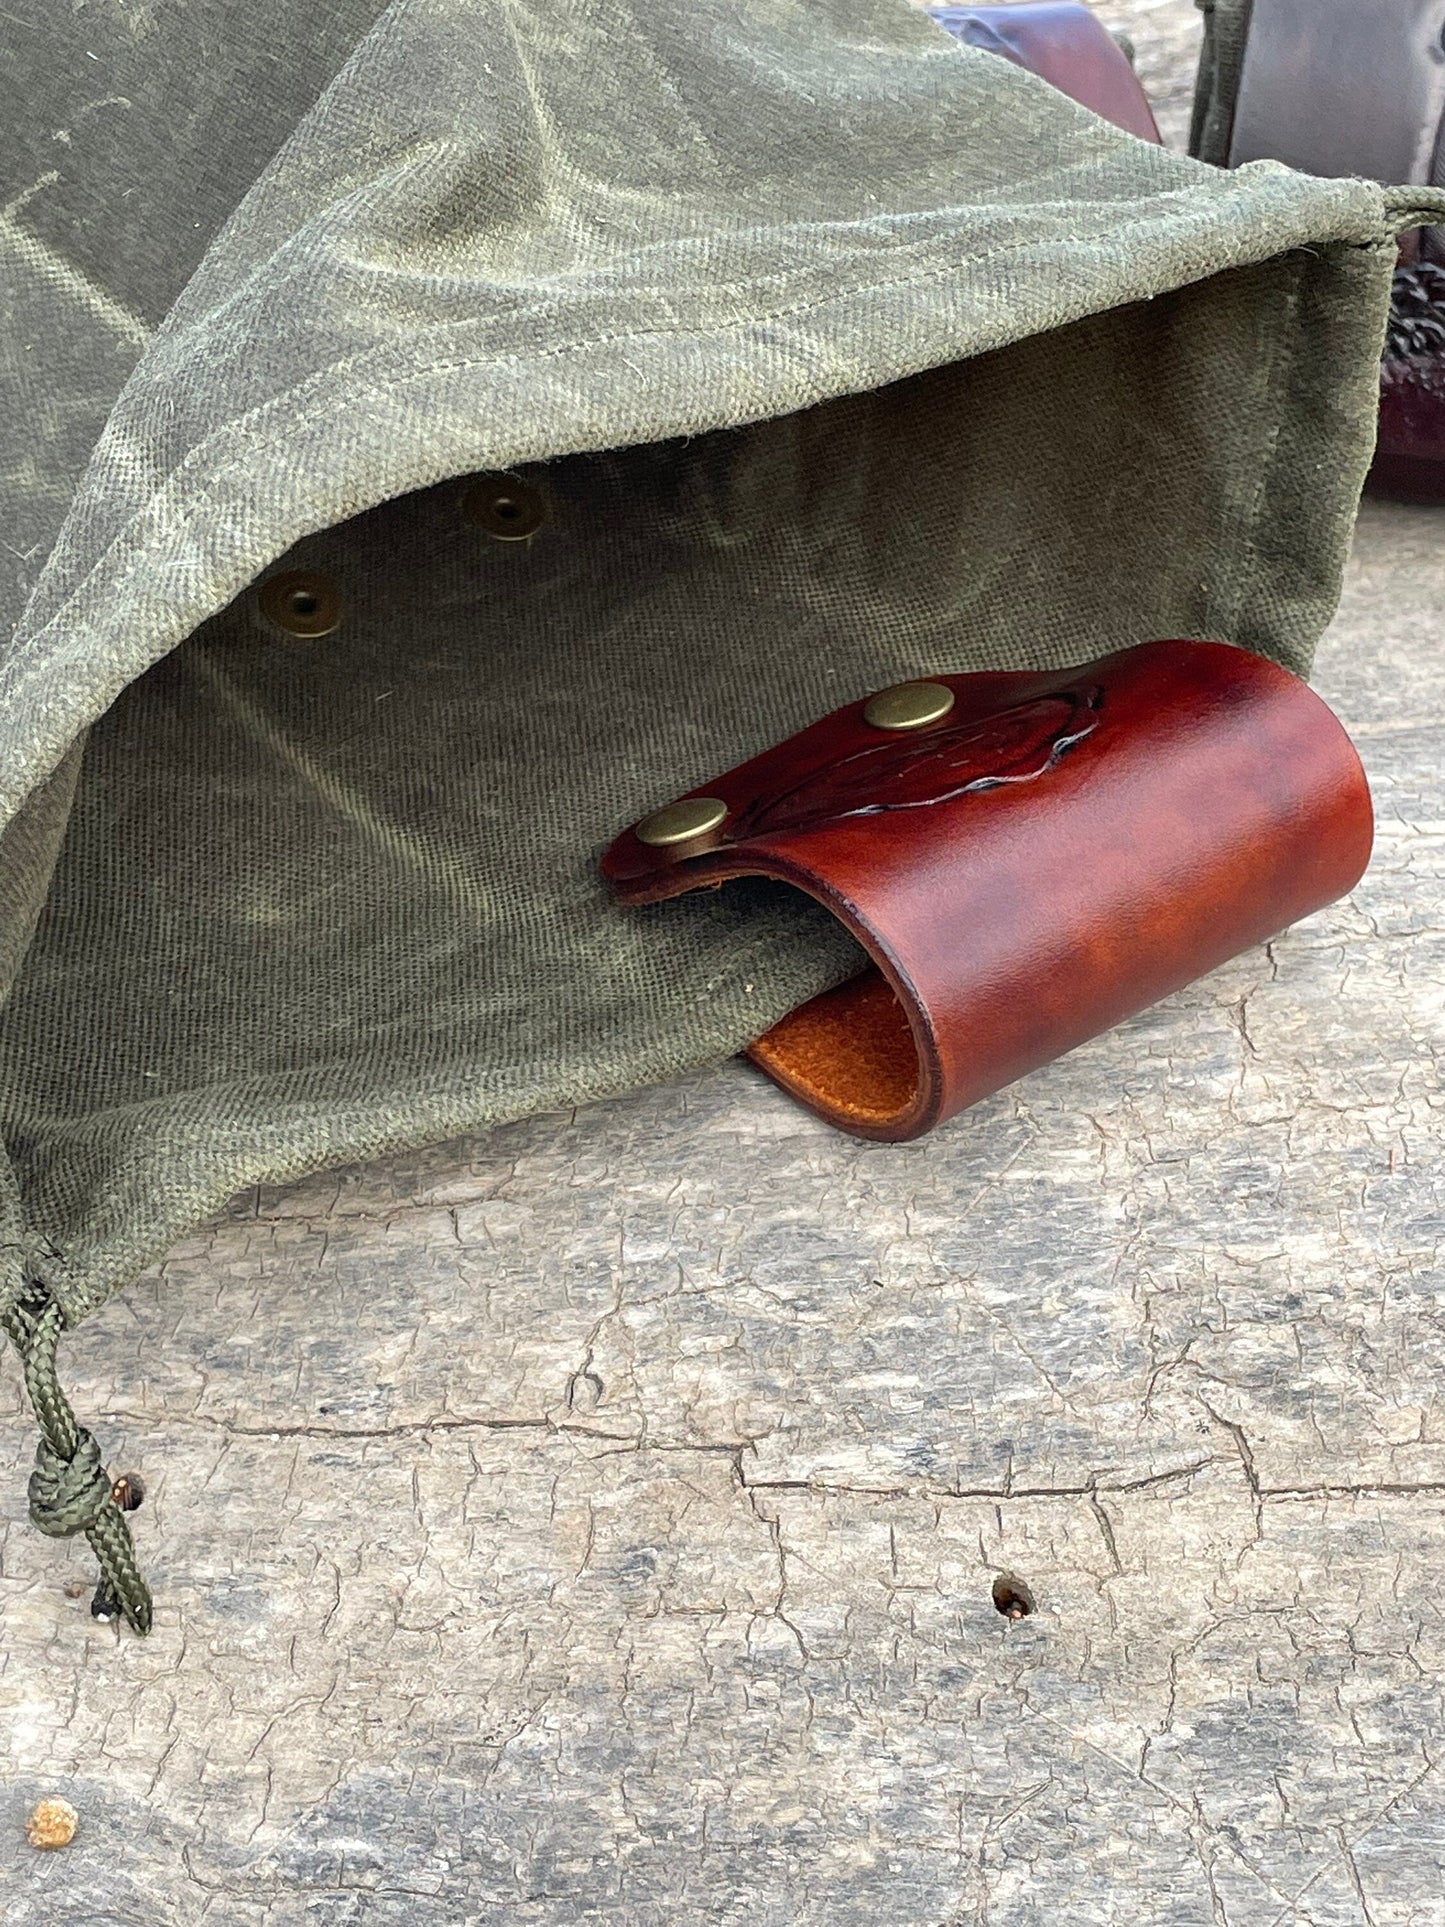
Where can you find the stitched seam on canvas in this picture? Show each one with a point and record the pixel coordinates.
(312, 416)
(1283, 341)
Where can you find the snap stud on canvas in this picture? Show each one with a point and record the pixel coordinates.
(504, 507)
(301, 602)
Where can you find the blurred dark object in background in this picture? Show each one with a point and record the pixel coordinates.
(1340, 87)
(1333, 87)
(1064, 43)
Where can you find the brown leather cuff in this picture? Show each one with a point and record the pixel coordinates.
(1044, 855)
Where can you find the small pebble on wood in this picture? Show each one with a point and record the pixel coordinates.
(52, 1824)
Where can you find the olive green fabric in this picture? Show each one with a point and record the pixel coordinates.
(839, 353)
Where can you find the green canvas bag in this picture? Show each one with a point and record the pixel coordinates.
(837, 354)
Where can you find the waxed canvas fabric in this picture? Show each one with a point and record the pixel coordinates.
(839, 353)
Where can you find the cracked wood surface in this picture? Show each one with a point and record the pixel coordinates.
(596, 1522)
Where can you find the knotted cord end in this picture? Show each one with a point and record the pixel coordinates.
(67, 1495)
(70, 1491)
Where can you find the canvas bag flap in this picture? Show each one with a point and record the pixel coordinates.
(838, 354)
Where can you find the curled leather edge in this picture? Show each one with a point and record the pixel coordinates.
(1061, 850)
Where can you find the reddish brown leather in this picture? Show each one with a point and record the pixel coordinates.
(1059, 851)
(1063, 43)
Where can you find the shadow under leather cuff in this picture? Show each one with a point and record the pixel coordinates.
(1054, 853)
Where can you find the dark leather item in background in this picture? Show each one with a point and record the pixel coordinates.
(1058, 851)
(1339, 87)
(1062, 42)
(1410, 454)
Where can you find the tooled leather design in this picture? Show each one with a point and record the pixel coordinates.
(905, 770)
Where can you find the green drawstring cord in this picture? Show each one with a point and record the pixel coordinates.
(70, 1490)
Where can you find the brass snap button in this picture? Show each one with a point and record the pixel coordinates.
(681, 822)
(909, 705)
(505, 507)
(301, 602)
